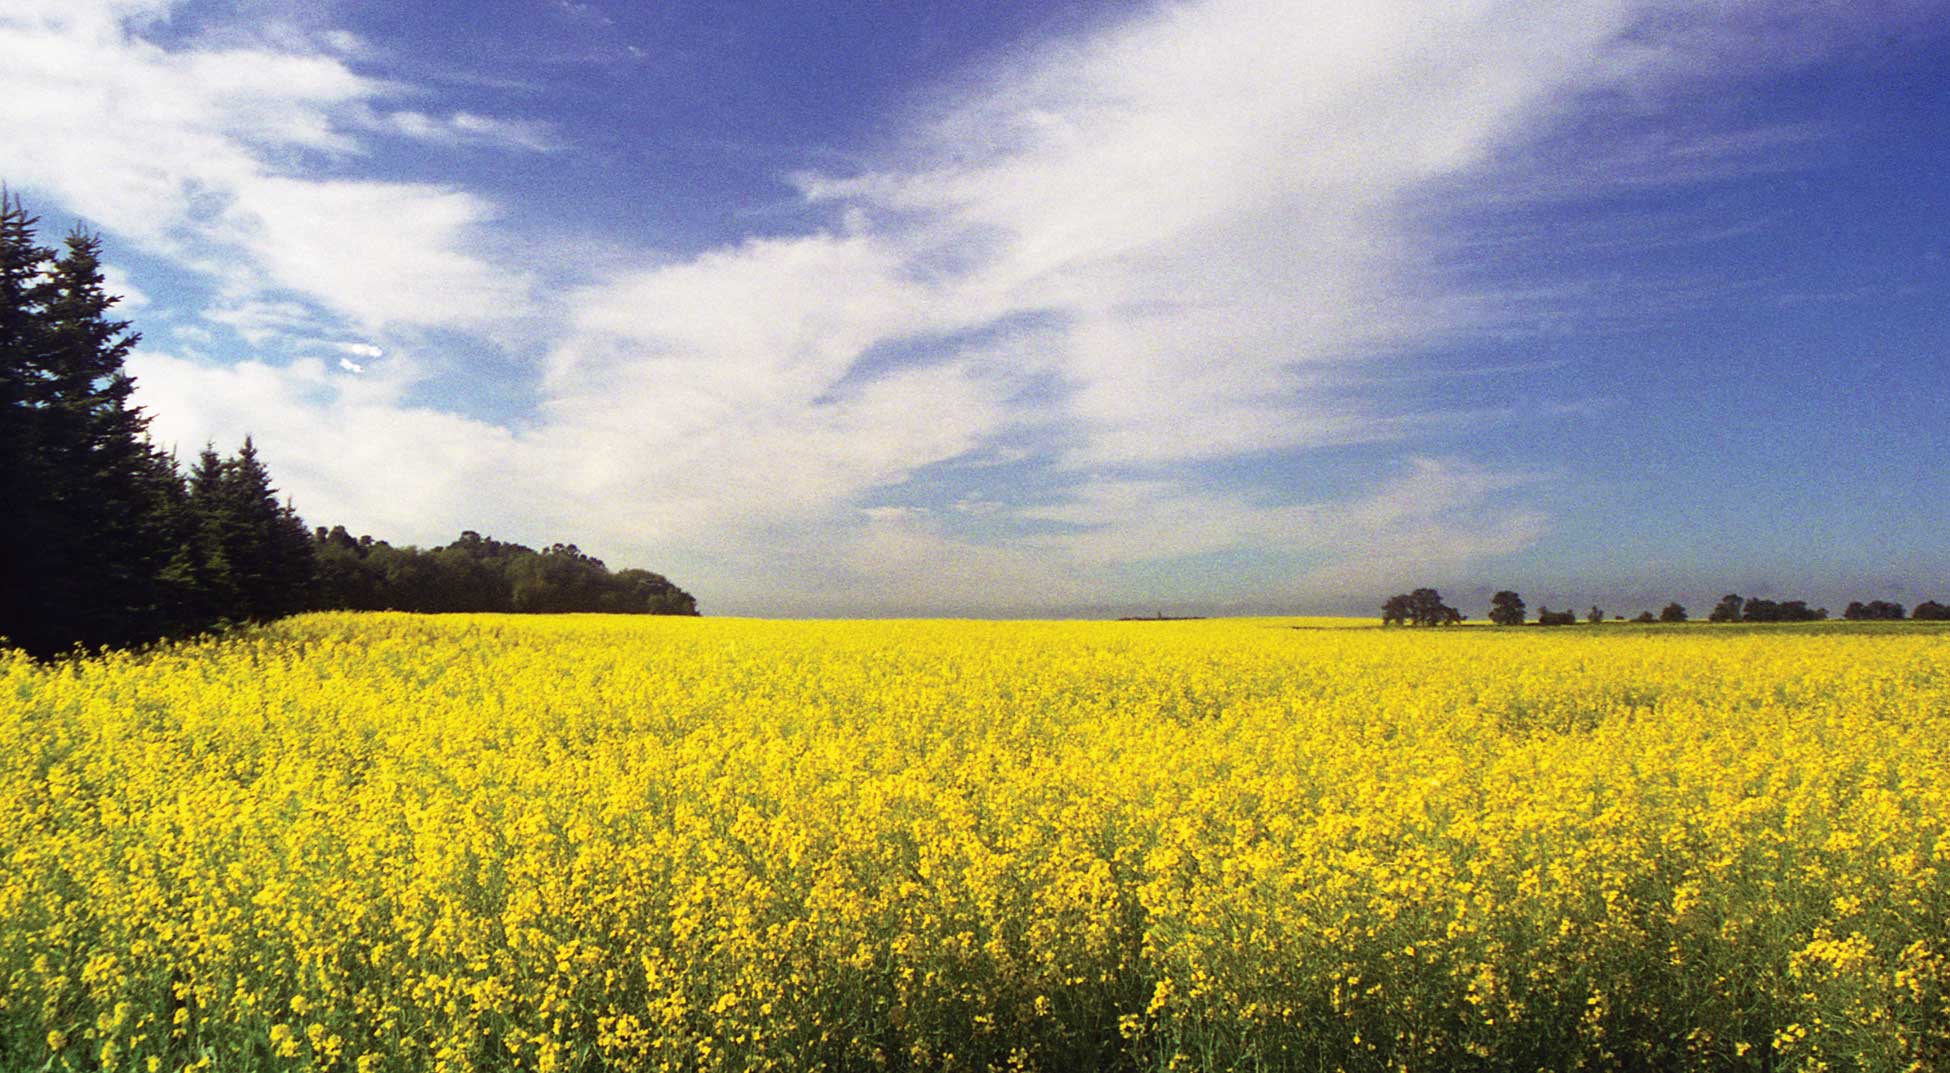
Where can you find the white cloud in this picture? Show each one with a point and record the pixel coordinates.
(1179, 220)
(465, 128)
(1434, 518)
(1195, 207)
(346, 448)
(1217, 195)
(203, 154)
(115, 280)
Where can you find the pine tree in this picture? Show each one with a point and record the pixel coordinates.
(253, 557)
(210, 528)
(180, 600)
(95, 440)
(81, 556)
(25, 546)
(270, 549)
(103, 542)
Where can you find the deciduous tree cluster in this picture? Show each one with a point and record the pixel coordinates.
(1507, 609)
(477, 573)
(1423, 607)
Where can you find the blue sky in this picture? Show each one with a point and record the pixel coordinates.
(1033, 308)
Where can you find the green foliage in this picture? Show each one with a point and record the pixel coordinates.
(477, 573)
(1506, 609)
(1423, 607)
(1873, 611)
(1758, 610)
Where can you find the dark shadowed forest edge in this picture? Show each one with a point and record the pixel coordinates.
(109, 542)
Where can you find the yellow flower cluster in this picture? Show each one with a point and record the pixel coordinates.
(387, 843)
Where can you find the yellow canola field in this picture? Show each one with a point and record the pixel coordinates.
(385, 842)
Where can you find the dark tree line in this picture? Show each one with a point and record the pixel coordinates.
(108, 541)
(477, 573)
(1732, 608)
(1424, 607)
(1874, 611)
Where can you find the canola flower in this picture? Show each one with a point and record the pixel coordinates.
(392, 843)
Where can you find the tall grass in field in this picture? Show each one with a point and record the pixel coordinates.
(367, 842)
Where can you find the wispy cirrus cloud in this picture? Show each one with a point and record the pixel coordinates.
(220, 156)
(1195, 207)
(1000, 356)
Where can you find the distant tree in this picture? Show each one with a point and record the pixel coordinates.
(1799, 611)
(653, 593)
(477, 573)
(1673, 613)
(1396, 611)
(1506, 609)
(1423, 607)
(1727, 610)
(1754, 609)
(1594, 616)
(1547, 617)
(1873, 611)
(1427, 609)
(1930, 611)
(1645, 616)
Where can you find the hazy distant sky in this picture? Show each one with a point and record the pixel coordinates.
(1042, 308)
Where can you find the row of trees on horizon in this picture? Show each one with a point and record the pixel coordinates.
(477, 573)
(1424, 607)
(109, 542)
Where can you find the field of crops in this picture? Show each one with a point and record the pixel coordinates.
(369, 842)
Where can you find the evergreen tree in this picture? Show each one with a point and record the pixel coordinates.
(105, 543)
(266, 546)
(24, 555)
(210, 528)
(83, 552)
(95, 440)
(180, 600)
